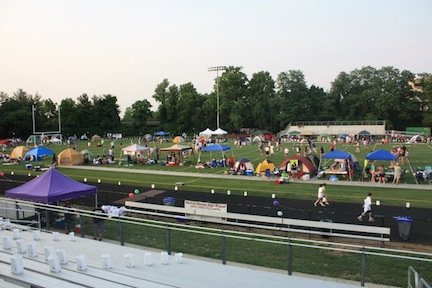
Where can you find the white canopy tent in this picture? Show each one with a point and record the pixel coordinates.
(208, 131)
(134, 149)
(219, 131)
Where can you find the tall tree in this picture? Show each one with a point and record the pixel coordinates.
(85, 112)
(106, 112)
(422, 87)
(16, 113)
(189, 107)
(232, 92)
(292, 96)
(161, 96)
(139, 114)
(371, 94)
(69, 118)
(260, 101)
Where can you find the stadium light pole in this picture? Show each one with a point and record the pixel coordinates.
(217, 69)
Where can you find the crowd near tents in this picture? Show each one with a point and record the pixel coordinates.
(215, 154)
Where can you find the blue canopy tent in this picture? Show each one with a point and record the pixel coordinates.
(338, 154)
(37, 153)
(364, 132)
(162, 133)
(381, 154)
(215, 148)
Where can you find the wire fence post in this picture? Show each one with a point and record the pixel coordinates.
(289, 257)
(363, 268)
(168, 235)
(223, 249)
(121, 233)
(81, 220)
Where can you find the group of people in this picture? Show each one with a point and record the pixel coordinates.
(378, 174)
(4, 158)
(322, 200)
(267, 151)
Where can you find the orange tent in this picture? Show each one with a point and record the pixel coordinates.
(69, 157)
(18, 152)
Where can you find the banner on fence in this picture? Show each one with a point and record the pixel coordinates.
(197, 210)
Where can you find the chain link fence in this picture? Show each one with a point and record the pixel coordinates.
(269, 250)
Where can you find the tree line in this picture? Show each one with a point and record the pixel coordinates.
(401, 98)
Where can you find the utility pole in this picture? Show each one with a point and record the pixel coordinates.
(217, 69)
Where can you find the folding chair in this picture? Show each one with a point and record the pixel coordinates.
(268, 174)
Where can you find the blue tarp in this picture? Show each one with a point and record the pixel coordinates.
(381, 155)
(215, 147)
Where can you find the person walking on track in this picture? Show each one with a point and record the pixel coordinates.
(367, 208)
(320, 195)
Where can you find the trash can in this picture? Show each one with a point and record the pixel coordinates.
(169, 201)
(404, 225)
(326, 230)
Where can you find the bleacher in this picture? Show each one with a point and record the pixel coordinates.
(335, 127)
(35, 258)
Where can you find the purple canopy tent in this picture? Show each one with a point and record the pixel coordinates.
(49, 187)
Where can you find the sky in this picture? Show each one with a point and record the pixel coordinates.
(64, 48)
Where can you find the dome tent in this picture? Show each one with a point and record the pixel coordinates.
(179, 139)
(87, 154)
(305, 164)
(70, 157)
(147, 137)
(18, 152)
(245, 163)
(264, 165)
(37, 153)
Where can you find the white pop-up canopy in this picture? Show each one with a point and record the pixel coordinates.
(219, 131)
(208, 131)
(134, 149)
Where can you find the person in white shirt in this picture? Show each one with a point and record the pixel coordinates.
(367, 208)
(286, 151)
(320, 195)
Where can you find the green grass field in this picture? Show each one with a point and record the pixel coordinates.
(420, 156)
